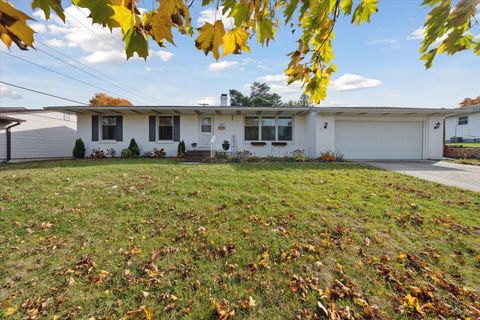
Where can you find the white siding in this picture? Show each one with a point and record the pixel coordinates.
(468, 131)
(430, 139)
(44, 134)
(379, 139)
(309, 134)
(136, 126)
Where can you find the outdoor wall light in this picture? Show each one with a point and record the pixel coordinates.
(325, 126)
(437, 125)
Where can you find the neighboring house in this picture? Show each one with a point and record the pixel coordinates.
(463, 125)
(358, 133)
(38, 134)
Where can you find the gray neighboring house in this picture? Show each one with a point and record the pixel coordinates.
(463, 125)
(30, 134)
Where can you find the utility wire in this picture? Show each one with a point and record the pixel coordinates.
(151, 98)
(82, 24)
(41, 92)
(60, 73)
(84, 71)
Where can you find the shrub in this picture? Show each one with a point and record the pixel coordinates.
(219, 155)
(127, 154)
(244, 156)
(111, 153)
(134, 148)
(181, 150)
(79, 149)
(330, 156)
(97, 154)
(159, 153)
(299, 156)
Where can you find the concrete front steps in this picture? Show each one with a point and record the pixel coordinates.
(196, 155)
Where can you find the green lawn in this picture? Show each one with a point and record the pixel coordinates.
(148, 239)
(472, 162)
(465, 144)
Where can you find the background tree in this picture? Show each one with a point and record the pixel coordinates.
(302, 102)
(467, 102)
(260, 96)
(446, 29)
(102, 99)
(237, 99)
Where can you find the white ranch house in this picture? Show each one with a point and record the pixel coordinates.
(358, 133)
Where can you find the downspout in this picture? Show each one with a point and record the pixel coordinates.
(9, 140)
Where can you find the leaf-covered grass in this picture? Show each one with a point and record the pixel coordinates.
(473, 162)
(464, 144)
(152, 239)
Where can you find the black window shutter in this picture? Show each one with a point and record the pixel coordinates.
(176, 128)
(151, 128)
(94, 128)
(119, 130)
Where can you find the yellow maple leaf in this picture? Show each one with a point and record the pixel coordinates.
(210, 38)
(148, 312)
(123, 17)
(9, 311)
(161, 27)
(234, 41)
(16, 30)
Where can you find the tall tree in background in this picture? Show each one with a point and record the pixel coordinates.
(260, 96)
(467, 102)
(447, 28)
(102, 99)
(237, 99)
(302, 102)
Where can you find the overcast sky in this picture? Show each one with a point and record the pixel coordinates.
(377, 65)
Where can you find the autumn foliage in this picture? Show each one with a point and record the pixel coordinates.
(102, 99)
(468, 102)
(447, 28)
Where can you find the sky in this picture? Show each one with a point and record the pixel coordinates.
(378, 64)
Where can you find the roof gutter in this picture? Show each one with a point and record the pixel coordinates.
(9, 139)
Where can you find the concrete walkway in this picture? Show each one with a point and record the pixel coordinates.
(448, 173)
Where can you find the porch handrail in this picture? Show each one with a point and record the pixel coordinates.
(212, 146)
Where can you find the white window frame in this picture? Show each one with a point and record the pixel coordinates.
(101, 128)
(464, 120)
(158, 128)
(260, 128)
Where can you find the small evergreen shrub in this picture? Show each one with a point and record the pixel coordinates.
(181, 150)
(134, 148)
(79, 149)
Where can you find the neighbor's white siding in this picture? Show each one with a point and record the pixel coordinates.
(468, 131)
(44, 134)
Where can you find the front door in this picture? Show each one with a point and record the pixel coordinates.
(206, 131)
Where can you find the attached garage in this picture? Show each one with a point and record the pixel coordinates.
(380, 139)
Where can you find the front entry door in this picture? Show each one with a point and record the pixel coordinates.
(206, 131)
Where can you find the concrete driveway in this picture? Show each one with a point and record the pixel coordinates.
(448, 173)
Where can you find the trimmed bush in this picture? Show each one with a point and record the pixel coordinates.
(134, 148)
(79, 149)
(181, 150)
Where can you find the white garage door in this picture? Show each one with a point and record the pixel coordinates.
(379, 139)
